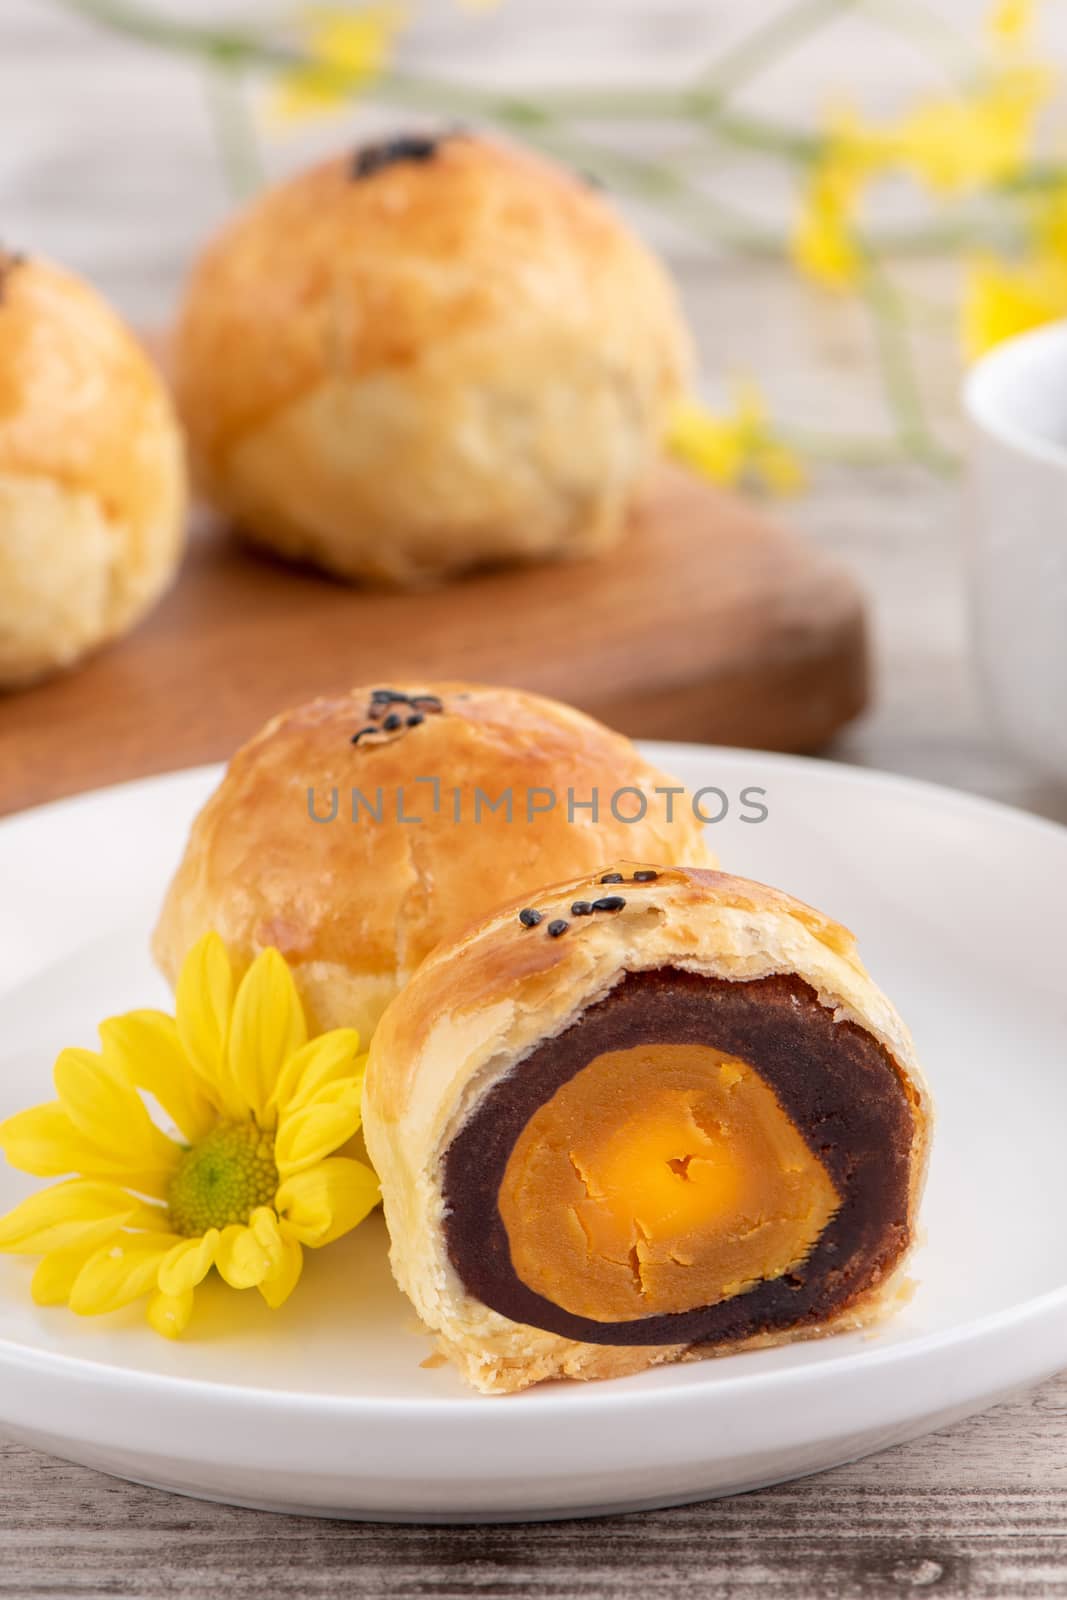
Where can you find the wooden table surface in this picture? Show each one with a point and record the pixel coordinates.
(979, 1510)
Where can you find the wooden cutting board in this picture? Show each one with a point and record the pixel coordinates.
(709, 623)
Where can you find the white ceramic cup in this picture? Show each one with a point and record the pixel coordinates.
(1016, 401)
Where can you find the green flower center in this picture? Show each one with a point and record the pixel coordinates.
(223, 1179)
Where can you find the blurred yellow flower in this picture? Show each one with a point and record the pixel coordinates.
(1048, 222)
(823, 243)
(1002, 299)
(964, 142)
(736, 448)
(952, 144)
(1010, 24)
(250, 1179)
(345, 51)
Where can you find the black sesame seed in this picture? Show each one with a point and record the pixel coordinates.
(610, 902)
(385, 697)
(529, 917)
(373, 158)
(582, 908)
(645, 877)
(426, 702)
(613, 877)
(414, 721)
(557, 927)
(370, 728)
(391, 723)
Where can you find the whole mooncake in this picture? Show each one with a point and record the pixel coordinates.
(427, 355)
(356, 831)
(92, 473)
(655, 1113)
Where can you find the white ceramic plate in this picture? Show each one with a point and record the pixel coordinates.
(325, 1406)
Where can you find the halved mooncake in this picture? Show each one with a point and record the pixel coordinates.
(653, 1114)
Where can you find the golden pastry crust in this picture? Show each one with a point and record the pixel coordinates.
(450, 360)
(355, 906)
(477, 1008)
(92, 478)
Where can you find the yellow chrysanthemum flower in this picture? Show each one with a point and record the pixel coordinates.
(737, 448)
(251, 1178)
(345, 51)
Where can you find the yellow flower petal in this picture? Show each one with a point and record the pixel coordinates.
(147, 1047)
(106, 1109)
(56, 1272)
(1002, 299)
(241, 1259)
(44, 1141)
(779, 469)
(119, 1273)
(736, 448)
(321, 1204)
(330, 1058)
(188, 1264)
(824, 244)
(81, 1212)
(346, 51)
(1010, 23)
(963, 142)
(268, 1027)
(169, 1314)
(264, 1224)
(203, 1003)
(310, 1135)
(285, 1255)
(284, 1276)
(705, 442)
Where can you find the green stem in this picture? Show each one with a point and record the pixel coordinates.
(844, 451)
(768, 138)
(942, 236)
(669, 188)
(1040, 176)
(235, 132)
(536, 105)
(766, 43)
(929, 31)
(524, 109)
(232, 45)
(899, 375)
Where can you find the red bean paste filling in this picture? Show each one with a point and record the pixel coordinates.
(837, 1084)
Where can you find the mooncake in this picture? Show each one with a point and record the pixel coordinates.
(428, 354)
(651, 1114)
(356, 831)
(92, 473)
